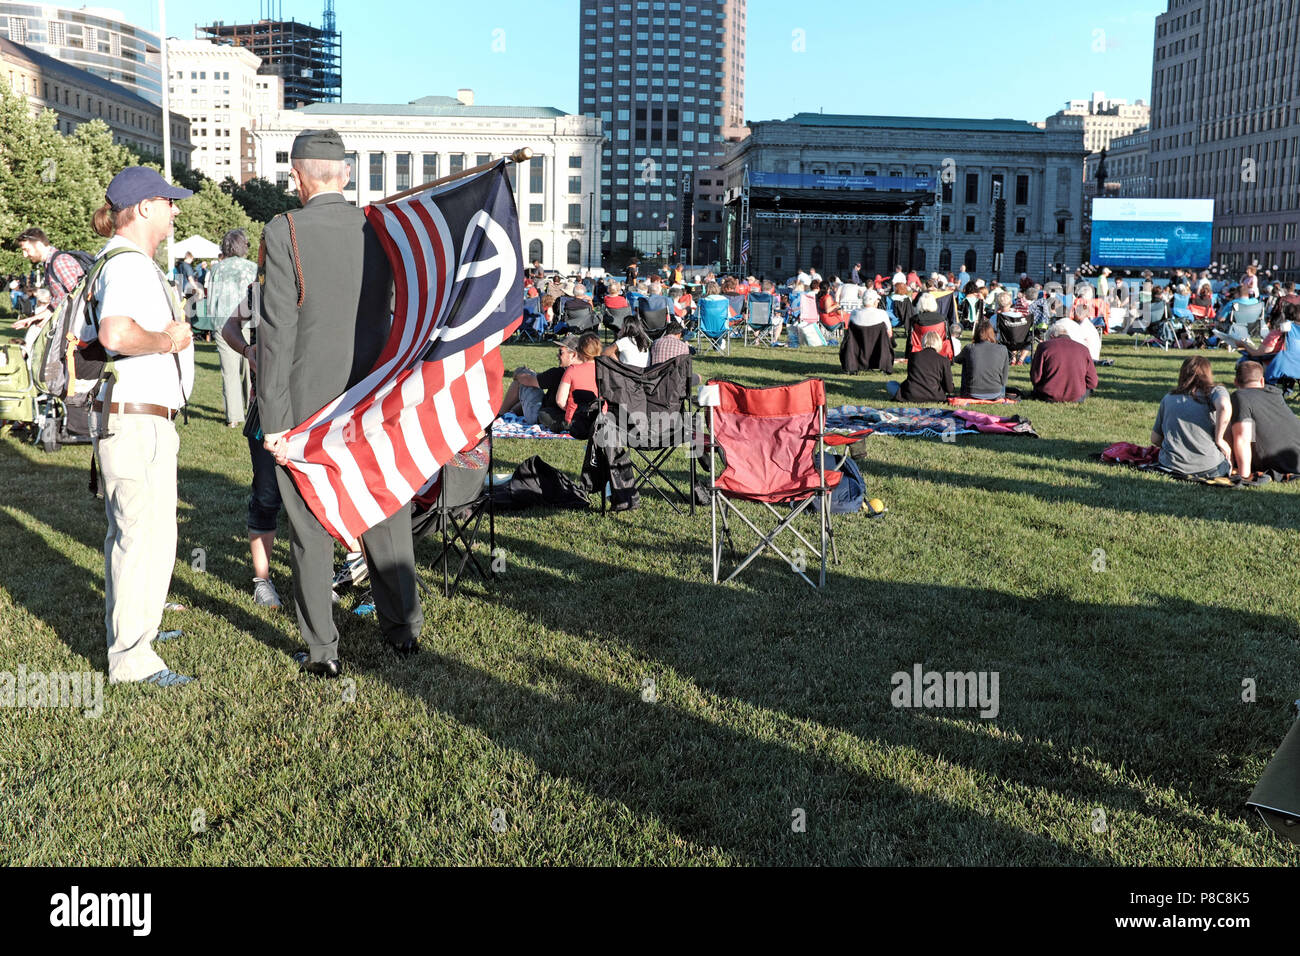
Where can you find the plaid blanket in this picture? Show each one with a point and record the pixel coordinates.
(513, 426)
(922, 422)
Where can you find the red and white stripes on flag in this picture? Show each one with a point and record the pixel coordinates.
(457, 271)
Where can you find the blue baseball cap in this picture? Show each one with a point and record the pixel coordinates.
(138, 183)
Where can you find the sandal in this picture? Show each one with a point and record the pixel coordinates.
(173, 606)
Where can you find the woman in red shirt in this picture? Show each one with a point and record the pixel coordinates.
(828, 309)
(579, 377)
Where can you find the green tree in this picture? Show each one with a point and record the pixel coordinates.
(260, 198)
(211, 213)
(46, 180)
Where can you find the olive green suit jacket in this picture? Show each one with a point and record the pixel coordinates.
(309, 355)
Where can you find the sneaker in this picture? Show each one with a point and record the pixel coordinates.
(167, 678)
(265, 594)
(162, 637)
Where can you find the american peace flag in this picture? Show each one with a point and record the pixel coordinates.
(744, 249)
(457, 270)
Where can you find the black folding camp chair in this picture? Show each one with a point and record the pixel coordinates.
(456, 516)
(648, 415)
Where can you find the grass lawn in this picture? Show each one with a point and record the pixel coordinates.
(1120, 690)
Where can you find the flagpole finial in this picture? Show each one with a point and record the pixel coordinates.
(521, 154)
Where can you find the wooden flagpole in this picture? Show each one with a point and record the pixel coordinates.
(518, 156)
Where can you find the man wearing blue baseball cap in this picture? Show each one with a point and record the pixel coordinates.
(142, 327)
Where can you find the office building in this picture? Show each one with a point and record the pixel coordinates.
(1224, 124)
(667, 80)
(92, 39)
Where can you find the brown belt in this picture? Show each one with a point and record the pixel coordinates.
(137, 408)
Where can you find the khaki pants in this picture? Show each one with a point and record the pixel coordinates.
(234, 379)
(138, 468)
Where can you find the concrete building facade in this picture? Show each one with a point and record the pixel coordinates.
(77, 96)
(216, 87)
(92, 39)
(964, 161)
(395, 146)
(1100, 119)
(1225, 124)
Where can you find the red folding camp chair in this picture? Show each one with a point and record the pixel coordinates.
(773, 443)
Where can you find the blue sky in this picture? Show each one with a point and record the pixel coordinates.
(1029, 58)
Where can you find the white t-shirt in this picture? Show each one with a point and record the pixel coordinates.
(629, 354)
(850, 296)
(133, 286)
(866, 317)
(1086, 334)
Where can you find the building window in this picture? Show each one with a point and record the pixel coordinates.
(1020, 225)
(1022, 190)
(972, 188)
(575, 162)
(482, 159)
(817, 257)
(430, 167)
(282, 156)
(575, 185)
(1022, 262)
(455, 164)
(351, 159)
(945, 223)
(945, 260)
(403, 171)
(970, 223)
(575, 252)
(535, 251)
(376, 172)
(536, 212)
(1060, 227)
(575, 216)
(537, 176)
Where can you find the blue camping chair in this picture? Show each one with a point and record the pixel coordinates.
(1283, 370)
(533, 327)
(715, 323)
(1181, 308)
(758, 320)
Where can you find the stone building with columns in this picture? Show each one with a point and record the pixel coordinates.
(899, 190)
(395, 146)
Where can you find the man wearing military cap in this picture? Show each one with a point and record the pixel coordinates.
(325, 318)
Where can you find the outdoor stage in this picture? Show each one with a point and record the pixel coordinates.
(794, 220)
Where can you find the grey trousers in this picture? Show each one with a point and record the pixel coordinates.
(235, 380)
(390, 554)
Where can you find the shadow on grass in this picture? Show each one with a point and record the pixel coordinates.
(1072, 674)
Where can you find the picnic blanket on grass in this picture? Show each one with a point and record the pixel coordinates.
(923, 422)
(513, 426)
(1147, 458)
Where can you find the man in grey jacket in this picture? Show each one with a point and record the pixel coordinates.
(325, 318)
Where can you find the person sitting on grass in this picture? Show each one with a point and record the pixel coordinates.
(578, 377)
(929, 374)
(1062, 369)
(1192, 422)
(535, 396)
(985, 365)
(1264, 433)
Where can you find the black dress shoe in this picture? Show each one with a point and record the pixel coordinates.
(406, 648)
(329, 669)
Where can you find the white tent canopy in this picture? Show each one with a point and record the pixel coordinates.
(202, 248)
